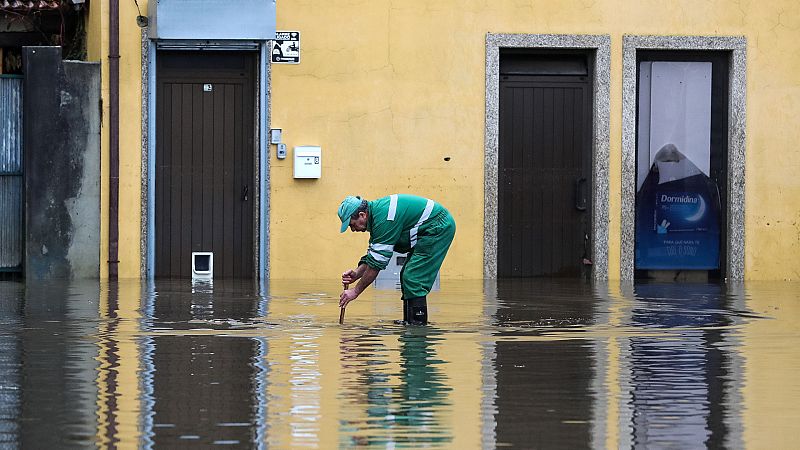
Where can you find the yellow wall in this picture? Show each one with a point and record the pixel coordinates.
(773, 105)
(97, 50)
(130, 131)
(389, 89)
(130, 140)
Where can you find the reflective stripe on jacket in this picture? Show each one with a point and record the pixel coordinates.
(394, 223)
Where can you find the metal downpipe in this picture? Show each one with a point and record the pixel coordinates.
(113, 159)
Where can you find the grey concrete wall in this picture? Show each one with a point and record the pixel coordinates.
(61, 116)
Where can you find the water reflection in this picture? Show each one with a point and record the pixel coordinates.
(517, 363)
(48, 364)
(10, 393)
(543, 384)
(202, 389)
(679, 384)
(402, 405)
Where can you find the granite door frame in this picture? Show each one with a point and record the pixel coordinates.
(261, 196)
(601, 46)
(737, 46)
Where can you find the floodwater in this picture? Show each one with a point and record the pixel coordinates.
(518, 364)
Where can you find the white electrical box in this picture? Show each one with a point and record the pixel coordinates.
(307, 161)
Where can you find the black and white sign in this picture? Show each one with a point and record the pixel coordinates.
(286, 47)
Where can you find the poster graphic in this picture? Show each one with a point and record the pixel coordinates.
(677, 203)
(677, 216)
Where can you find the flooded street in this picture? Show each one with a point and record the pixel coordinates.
(512, 363)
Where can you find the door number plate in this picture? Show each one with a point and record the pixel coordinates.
(207, 87)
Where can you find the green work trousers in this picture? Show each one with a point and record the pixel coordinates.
(425, 259)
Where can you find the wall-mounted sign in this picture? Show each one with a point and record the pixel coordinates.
(286, 47)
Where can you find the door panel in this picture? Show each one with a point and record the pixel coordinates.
(204, 162)
(544, 167)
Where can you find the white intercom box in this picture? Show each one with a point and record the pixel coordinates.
(307, 161)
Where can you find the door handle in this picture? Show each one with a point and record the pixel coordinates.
(580, 201)
(245, 192)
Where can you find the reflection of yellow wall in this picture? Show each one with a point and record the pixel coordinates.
(771, 353)
(389, 89)
(119, 369)
(311, 368)
(464, 360)
(305, 368)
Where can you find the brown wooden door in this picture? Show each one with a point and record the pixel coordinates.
(544, 175)
(205, 149)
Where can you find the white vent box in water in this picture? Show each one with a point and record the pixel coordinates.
(202, 265)
(389, 278)
(307, 161)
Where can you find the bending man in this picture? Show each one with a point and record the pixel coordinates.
(402, 223)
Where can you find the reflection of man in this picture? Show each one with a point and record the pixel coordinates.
(423, 382)
(406, 224)
(411, 412)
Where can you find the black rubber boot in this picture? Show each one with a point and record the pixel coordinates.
(418, 311)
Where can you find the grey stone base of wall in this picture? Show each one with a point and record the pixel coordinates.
(61, 146)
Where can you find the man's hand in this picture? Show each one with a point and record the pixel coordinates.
(348, 295)
(364, 273)
(350, 277)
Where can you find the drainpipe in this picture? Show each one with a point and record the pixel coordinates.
(113, 128)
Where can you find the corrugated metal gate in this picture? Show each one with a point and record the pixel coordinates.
(11, 235)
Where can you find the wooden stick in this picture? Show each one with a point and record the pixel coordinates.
(341, 311)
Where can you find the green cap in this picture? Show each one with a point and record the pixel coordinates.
(348, 207)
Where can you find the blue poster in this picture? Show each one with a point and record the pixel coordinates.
(677, 216)
(677, 203)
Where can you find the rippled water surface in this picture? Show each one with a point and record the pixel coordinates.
(521, 364)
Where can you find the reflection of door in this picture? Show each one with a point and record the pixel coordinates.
(682, 389)
(544, 394)
(200, 385)
(204, 161)
(201, 391)
(544, 165)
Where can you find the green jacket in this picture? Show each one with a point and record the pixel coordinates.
(394, 223)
